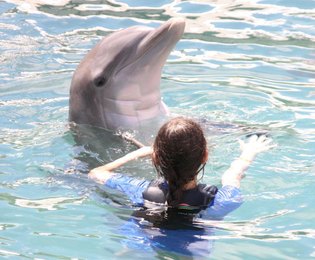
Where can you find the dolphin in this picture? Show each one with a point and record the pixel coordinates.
(117, 84)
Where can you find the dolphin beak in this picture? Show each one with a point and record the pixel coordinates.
(167, 35)
(177, 24)
(175, 27)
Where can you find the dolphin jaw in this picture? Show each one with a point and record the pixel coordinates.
(134, 117)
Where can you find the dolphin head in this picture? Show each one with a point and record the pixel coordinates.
(117, 84)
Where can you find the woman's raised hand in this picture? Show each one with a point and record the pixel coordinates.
(254, 145)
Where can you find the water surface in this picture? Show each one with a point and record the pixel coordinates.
(246, 66)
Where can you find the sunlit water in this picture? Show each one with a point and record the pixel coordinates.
(241, 66)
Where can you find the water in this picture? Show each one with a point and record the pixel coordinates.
(245, 65)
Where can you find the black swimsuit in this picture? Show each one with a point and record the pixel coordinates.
(159, 214)
(192, 201)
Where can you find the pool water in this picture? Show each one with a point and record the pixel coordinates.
(241, 67)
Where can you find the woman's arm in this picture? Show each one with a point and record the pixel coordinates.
(103, 173)
(255, 145)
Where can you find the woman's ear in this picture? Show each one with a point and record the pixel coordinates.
(205, 156)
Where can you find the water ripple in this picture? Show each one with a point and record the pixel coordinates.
(54, 203)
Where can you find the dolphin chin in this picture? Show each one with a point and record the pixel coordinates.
(117, 84)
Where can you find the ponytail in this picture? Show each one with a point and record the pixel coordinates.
(175, 185)
(175, 192)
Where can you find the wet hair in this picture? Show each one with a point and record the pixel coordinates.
(179, 150)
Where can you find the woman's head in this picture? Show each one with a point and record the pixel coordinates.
(179, 150)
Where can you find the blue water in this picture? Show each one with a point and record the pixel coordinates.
(243, 65)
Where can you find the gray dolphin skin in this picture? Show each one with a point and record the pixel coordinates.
(117, 84)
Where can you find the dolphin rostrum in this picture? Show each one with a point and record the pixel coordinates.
(117, 84)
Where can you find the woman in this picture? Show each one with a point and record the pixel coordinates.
(179, 154)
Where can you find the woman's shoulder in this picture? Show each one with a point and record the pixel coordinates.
(227, 199)
(130, 186)
(229, 193)
(118, 179)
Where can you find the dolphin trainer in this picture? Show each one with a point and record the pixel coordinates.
(117, 84)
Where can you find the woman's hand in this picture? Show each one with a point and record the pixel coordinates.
(250, 149)
(255, 145)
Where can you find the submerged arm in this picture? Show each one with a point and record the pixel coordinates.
(103, 173)
(255, 145)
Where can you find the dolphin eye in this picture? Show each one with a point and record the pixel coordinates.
(100, 81)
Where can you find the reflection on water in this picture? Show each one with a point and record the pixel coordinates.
(245, 65)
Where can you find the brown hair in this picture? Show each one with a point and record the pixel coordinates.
(178, 152)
